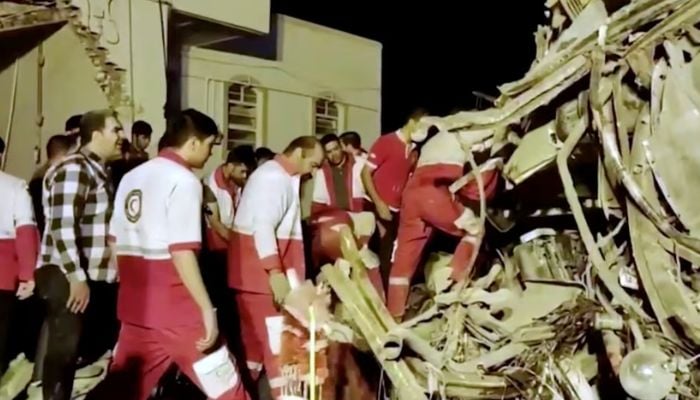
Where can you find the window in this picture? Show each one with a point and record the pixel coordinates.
(243, 116)
(326, 116)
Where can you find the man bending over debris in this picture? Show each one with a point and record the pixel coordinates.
(428, 204)
(266, 253)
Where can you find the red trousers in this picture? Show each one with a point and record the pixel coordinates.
(325, 242)
(253, 309)
(426, 207)
(143, 355)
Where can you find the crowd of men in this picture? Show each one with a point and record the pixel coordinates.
(143, 257)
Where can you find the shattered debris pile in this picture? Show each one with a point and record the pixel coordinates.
(599, 289)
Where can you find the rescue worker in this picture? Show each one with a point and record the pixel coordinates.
(389, 164)
(338, 183)
(166, 314)
(263, 154)
(352, 144)
(222, 192)
(19, 248)
(428, 204)
(266, 252)
(339, 199)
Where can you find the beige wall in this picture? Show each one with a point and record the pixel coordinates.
(131, 32)
(313, 60)
(68, 88)
(248, 14)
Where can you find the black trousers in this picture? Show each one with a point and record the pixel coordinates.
(7, 303)
(24, 324)
(65, 329)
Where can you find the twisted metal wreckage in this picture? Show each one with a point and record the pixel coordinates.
(590, 278)
(614, 93)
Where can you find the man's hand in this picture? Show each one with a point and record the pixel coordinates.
(211, 330)
(383, 211)
(25, 290)
(279, 286)
(79, 296)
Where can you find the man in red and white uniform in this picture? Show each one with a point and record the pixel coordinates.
(167, 316)
(222, 192)
(338, 183)
(266, 252)
(352, 144)
(428, 204)
(339, 199)
(389, 164)
(19, 249)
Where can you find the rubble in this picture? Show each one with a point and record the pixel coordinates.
(607, 295)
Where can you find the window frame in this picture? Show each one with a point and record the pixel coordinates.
(330, 100)
(246, 84)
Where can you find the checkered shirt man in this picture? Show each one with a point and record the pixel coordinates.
(77, 201)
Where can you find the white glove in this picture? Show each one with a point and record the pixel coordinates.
(469, 222)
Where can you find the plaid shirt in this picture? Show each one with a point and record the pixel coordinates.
(78, 205)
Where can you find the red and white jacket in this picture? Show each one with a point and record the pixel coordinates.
(267, 231)
(157, 211)
(19, 236)
(324, 193)
(227, 197)
(442, 161)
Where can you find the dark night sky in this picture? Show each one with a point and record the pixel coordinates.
(420, 44)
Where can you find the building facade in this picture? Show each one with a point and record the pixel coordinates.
(264, 78)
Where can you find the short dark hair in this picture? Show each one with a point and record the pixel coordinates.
(241, 155)
(329, 138)
(264, 153)
(58, 144)
(306, 143)
(2, 146)
(351, 138)
(73, 122)
(189, 123)
(141, 128)
(93, 121)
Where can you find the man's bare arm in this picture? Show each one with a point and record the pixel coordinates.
(369, 185)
